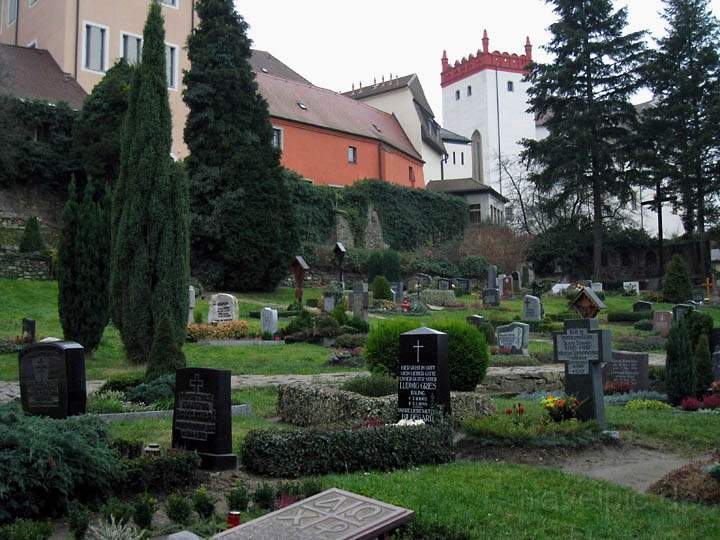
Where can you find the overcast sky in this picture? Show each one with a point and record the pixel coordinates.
(335, 43)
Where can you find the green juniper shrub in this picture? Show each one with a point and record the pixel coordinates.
(203, 502)
(350, 341)
(488, 330)
(79, 517)
(383, 345)
(31, 241)
(264, 496)
(698, 323)
(645, 325)
(677, 287)
(312, 302)
(170, 470)
(326, 326)
(310, 486)
(122, 511)
(166, 353)
(46, 463)
(704, 365)
(392, 268)
(238, 498)
(375, 264)
(680, 369)
(122, 382)
(25, 529)
(338, 313)
(143, 510)
(178, 509)
(381, 288)
(158, 389)
(297, 452)
(362, 327)
(376, 385)
(303, 322)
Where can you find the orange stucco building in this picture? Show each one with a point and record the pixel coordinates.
(326, 137)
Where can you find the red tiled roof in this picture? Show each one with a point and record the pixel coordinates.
(327, 109)
(264, 62)
(30, 73)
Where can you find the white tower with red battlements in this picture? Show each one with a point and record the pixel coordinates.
(486, 100)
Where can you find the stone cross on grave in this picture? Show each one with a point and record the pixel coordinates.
(196, 383)
(417, 348)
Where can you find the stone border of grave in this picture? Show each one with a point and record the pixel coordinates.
(237, 410)
(305, 405)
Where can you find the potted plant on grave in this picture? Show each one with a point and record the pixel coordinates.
(561, 409)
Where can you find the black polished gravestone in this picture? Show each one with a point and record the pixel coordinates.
(52, 379)
(582, 347)
(202, 416)
(424, 381)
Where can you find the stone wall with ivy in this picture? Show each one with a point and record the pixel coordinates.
(30, 266)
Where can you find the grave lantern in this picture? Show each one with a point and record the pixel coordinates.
(587, 303)
(299, 267)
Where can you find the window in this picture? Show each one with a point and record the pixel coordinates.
(462, 158)
(277, 140)
(12, 11)
(469, 90)
(95, 47)
(411, 174)
(457, 95)
(352, 154)
(454, 162)
(131, 48)
(511, 86)
(475, 214)
(171, 65)
(170, 3)
(31, 3)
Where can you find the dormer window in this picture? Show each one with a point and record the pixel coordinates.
(302, 105)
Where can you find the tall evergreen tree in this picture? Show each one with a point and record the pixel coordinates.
(31, 240)
(684, 74)
(149, 276)
(586, 90)
(83, 269)
(243, 228)
(98, 129)
(680, 368)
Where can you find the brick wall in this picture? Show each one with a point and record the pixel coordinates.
(25, 266)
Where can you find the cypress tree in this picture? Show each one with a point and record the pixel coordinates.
(676, 284)
(150, 211)
(243, 233)
(31, 241)
(704, 364)
(83, 270)
(587, 92)
(680, 369)
(165, 355)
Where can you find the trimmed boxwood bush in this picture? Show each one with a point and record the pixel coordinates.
(381, 288)
(468, 357)
(44, 463)
(172, 470)
(376, 385)
(294, 453)
(628, 316)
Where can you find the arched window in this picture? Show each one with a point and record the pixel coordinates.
(477, 159)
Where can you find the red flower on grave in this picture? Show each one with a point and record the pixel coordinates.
(508, 411)
(521, 409)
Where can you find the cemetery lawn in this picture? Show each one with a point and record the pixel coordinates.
(488, 500)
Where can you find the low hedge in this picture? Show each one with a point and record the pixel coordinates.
(228, 330)
(170, 471)
(295, 453)
(317, 405)
(628, 316)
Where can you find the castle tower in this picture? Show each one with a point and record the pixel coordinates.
(485, 100)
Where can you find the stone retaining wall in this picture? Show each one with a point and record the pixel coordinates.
(25, 266)
(523, 379)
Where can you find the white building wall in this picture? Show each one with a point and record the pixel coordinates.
(456, 170)
(432, 168)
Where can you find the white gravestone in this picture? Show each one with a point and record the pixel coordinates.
(632, 287)
(269, 320)
(191, 304)
(223, 308)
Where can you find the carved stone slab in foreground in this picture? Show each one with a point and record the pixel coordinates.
(331, 515)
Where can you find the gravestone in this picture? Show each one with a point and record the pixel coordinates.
(202, 416)
(475, 320)
(507, 288)
(597, 287)
(462, 285)
(424, 374)
(52, 379)
(331, 515)
(396, 287)
(269, 321)
(631, 287)
(560, 288)
(223, 308)
(191, 304)
(513, 337)
(492, 277)
(532, 309)
(360, 300)
(299, 268)
(628, 367)
(526, 276)
(642, 306)
(443, 284)
(27, 330)
(681, 310)
(328, 304)
(424, 280)
(582, 347)
(491, 297)
(516, 284)
(662, 321)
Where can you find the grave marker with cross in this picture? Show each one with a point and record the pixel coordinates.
(424, 378)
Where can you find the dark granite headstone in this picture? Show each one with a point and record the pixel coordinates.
(475, 320)
(517, 285)
(642, 306)
(52, 379)
(424, 375)
(491, 297)
(628, 367)
(331, 515)
(681, 310)
(28, 330)
(202, 416)
(582, 347)
(492, 277)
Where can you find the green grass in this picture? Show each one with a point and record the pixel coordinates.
(487, 500)
(262, 399)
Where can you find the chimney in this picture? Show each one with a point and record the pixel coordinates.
(444, 60)
(353, 86)
(486, 42)
(528, 48)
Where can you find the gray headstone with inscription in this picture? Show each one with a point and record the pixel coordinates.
(532, 309)
(629, 367)
(513, 338)
(424, 381)
(223, 308)
(331, 515)
(491, 297)
(582, 347)
(269, 320)
(492, 277)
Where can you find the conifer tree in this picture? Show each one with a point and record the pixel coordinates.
(680, 369)
(704, 365)
(684, 75)
(149, 276)
(243, 233)
(165, 355)
(677, 287)
(586, 91)
(83, 269)
(31, 240)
